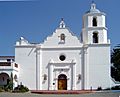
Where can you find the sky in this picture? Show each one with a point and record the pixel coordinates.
(36, 19)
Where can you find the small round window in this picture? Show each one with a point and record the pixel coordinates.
(62, 57)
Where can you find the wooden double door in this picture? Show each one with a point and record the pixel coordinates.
(62, 82)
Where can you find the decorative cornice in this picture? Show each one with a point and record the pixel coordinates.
(26, 46)
(61, 48)
(97, 44)
(95, 14)
(95, 28)
(65, 62)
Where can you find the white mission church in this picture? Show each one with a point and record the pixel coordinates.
(64, 61)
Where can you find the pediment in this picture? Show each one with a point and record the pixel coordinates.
(56, 39)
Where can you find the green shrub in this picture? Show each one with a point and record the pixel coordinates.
(99, 88)
(21, 88)
(115, 88)
(1, 89)
(8, 87)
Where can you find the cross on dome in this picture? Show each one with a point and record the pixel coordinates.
(62, 23)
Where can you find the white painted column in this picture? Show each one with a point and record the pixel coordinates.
(74, 77)
(86, 80)
(37, 69)
(71, 77)
(82, 70)
(72, 80)
(56, 81)
(51, 77)
(40, 72)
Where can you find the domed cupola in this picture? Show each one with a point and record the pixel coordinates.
(93, 8)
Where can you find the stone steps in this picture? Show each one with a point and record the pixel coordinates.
(61, 91)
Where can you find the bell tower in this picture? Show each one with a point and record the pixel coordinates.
(96, 50)
(94, 30)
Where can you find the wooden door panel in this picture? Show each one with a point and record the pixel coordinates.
(62, 84)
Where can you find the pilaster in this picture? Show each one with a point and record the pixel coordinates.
(51, 77)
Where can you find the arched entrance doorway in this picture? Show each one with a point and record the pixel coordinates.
(62, 82)
(4, 79)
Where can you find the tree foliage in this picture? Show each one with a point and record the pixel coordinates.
(115, 60)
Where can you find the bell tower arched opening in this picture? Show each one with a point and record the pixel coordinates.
(95, 37)
(94, 21)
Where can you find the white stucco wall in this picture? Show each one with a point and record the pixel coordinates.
(97, 68)
(52, 49)
(25, 56)
(71, 54)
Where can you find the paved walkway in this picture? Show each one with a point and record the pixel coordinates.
(99, 94)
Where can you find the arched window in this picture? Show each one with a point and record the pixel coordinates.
(95, 37)
(62, 37)
(94, 21)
